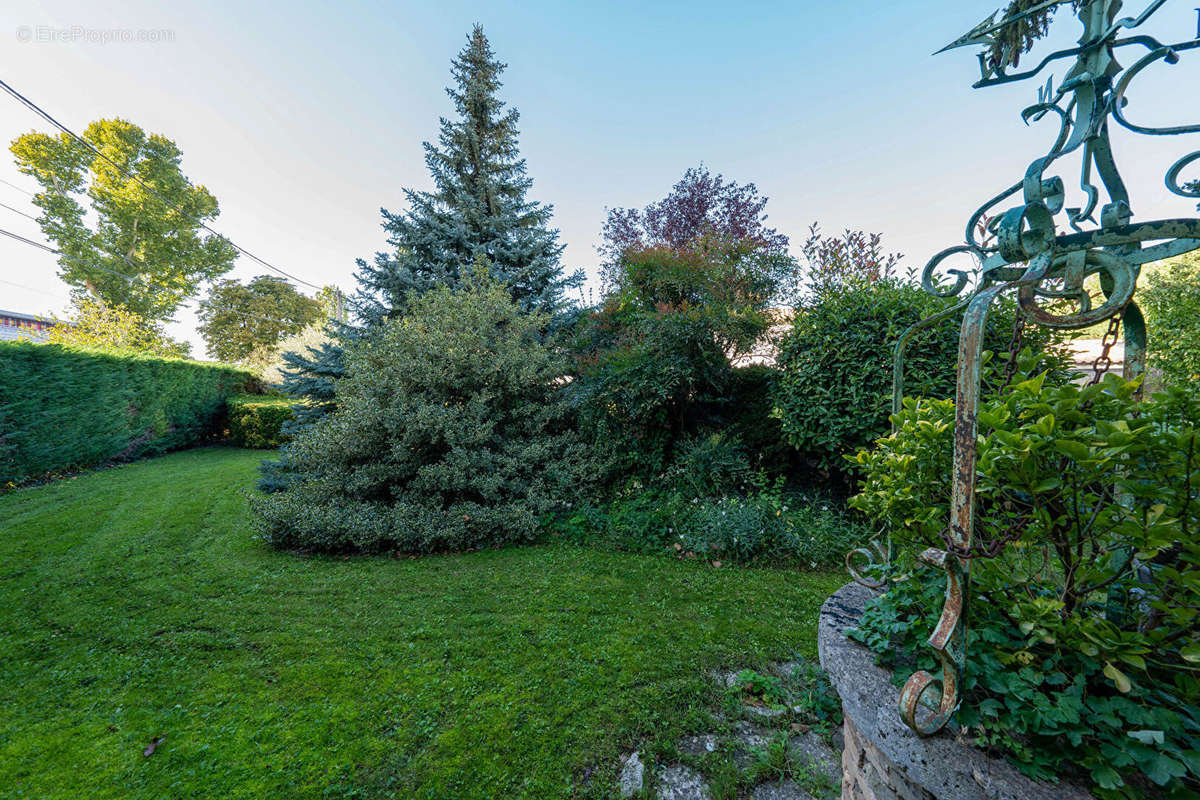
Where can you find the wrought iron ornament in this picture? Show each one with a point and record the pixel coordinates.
(1017, 248)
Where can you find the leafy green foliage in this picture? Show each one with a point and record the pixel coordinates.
(1085, 646)
(63, 408)
(766, 525)
(765, 688)
(136, 233)
(95, 325)
(137, 603)
(653, 364)
(256, 421)
(236, 319)
(450, 433)
(834, 393)
(1171, 301)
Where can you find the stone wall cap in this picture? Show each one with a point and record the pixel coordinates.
(946, 767)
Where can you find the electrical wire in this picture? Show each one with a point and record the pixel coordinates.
(18, 211)
(18, 188)
(31, 289)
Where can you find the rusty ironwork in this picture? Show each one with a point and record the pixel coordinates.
(1020, 250)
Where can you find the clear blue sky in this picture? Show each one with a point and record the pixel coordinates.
(305, 118)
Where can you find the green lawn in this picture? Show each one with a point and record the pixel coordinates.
(136, 603)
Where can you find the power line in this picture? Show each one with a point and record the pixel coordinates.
(18, 188)
(31, 289)
(46, 116)
(130, 278)
(18, 211)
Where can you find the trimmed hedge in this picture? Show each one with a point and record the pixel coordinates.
(66, 408)
(255, 420)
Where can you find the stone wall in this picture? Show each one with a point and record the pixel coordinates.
(867, 774)
(883, 758)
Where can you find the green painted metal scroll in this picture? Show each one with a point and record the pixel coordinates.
(1024, 253)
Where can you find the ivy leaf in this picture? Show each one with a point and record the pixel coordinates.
(1106, 777)
(1047, 483)
(1147, 737)
(1163, 768)
(1191, 652)
(1117, 677)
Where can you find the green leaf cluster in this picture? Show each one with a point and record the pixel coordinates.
(96, 325)
(1084, 652)
(256, 421)
(237, 319)
(834, 393)
(654, 370)
(1170, 298)
(147, 227)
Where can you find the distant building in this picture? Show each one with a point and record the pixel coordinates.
(15, 325)
(764, 350)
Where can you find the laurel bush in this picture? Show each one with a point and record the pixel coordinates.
(834, 394)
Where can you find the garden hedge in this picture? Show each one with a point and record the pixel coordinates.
(66, 408)
(255, 420)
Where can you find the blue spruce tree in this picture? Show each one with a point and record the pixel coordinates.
(479, 211)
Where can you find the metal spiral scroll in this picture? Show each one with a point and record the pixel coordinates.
(1026, 256)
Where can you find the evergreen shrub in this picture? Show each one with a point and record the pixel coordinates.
(834, 395)
(450, 433)
(256, 420)
(64, 408)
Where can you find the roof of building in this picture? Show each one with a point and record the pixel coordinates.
(26, 317)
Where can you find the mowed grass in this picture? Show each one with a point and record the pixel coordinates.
(135, 603)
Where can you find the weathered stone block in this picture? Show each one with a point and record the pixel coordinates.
(883, 758)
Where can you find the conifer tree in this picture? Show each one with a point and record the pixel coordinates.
(479, 208)
(478, 212)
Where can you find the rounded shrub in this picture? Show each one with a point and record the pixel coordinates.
(834, 394)
(449, 434)
(1171, 299)
(256, 420)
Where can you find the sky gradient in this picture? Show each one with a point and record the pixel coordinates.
(304, 118)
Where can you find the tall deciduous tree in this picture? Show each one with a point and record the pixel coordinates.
(479, 208)
(699, 207)
(236, 318)
(134, 233)
(98, 326)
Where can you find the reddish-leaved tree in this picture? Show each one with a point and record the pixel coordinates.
(699, 205)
